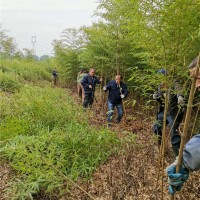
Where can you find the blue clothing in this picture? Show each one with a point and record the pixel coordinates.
(89, 80)
(191, 162)
(88, 100)
(111, 108)
(115, 91)
(191, 154)
(172, 112)
(54, 73)
(175, 137)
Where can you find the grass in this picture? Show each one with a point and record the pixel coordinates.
(42, 132)
(28, 71)
(9, 82)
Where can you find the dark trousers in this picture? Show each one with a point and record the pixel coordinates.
(88, 100)
(174, 124)
(54, 80)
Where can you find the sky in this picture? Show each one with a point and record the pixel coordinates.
(45, 19)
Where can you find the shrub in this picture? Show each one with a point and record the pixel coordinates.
(9, 83)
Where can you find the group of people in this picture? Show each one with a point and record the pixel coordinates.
(191, 152)
(118, 91)
(86, 84)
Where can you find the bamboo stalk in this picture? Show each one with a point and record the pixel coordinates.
(195, 120)
(187, 120)
(66, 177)
(163, 138)
(103, 102)
(123, 106)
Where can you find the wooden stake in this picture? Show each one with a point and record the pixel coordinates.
(123, 106)
(163, 138)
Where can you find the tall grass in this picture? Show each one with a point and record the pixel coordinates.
(29, 71)
(42, 130)
(9, 82)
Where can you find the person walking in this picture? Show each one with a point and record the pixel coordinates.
(54, 76)
(89, 83)
(117, 92)
(191, 152)
(174, 114)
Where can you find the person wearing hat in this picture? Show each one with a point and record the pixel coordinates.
(191, 152)
(174, 115)
(80, 89)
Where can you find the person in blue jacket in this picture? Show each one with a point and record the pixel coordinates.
(191, 152)
(117, 92)
(89, 83)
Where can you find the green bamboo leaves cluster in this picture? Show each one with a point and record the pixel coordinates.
(45, 136)
(136, 38)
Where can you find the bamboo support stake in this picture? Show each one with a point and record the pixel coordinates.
(123, 106)
(187, 120)
(103, 102)
(195, 120)
(101, 85)
(163, 137)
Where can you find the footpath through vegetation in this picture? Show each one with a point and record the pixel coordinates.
(132, 173)
(52, 149)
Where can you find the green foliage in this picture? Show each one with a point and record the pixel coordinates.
(67, 50)
(8, 45)
(34, 108)
(9, 83)
(139, 37)
(75, 151)
(68, 60)
(41, 128)
(28, 71)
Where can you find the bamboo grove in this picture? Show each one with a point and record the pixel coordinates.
(135, 38)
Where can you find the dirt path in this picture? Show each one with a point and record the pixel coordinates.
(132, 174)
(5, 174)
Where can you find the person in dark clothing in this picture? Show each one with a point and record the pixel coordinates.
(89, 82)
(191, 162)
(117, 91)
(174, 114)
(54, 76)
(191, 152)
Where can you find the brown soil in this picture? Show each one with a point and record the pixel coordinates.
(5, 174)
(132, 173)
